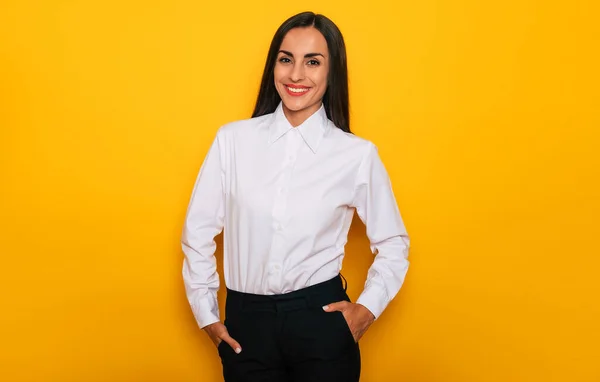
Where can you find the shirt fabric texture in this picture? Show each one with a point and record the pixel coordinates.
(284, 198)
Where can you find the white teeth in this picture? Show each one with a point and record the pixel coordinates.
(296, 90)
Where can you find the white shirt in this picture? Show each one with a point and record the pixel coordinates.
(285, 198)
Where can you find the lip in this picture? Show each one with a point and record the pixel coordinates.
(287, 88)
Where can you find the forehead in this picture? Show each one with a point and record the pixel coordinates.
(304, 40)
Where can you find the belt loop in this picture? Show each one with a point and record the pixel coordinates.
(345, 282)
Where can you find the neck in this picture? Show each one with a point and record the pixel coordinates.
(297, 117)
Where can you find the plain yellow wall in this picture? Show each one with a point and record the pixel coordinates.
(485, 113)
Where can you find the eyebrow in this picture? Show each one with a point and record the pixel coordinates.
(308, 55)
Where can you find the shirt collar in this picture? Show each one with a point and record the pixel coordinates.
(312, 130)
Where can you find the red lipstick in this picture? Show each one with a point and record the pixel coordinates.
(298, 93)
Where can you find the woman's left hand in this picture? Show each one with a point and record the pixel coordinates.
(357, 316)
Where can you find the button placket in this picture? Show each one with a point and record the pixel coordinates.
(280, 203)
(280, 206)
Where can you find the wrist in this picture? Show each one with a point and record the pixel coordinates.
(367, 312)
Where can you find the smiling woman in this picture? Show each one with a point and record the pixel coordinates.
(307, 52)
(301, 73)
(284, 186)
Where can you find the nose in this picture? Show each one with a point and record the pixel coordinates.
(297, 72)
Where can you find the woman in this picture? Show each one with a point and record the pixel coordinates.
(284, 185)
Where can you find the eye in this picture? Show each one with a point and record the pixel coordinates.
(284, 60)
(314, 63)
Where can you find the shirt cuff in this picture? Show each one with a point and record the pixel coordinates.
(206, 310)
(375, 299)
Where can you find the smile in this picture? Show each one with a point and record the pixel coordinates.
(297, 91)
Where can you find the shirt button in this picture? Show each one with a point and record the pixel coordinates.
(278, 226)
(277, 267)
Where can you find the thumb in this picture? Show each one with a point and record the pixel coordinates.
(335, 306)
(233, 343)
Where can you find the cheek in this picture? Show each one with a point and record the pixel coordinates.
(321, 81)
(276, 75)
(279, 73)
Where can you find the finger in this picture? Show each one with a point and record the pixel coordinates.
(335, 306)
(233, 343)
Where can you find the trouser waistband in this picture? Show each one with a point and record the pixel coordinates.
(310, 297)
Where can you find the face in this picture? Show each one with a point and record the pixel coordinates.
(301, 72)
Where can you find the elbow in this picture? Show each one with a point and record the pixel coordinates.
(394, 246)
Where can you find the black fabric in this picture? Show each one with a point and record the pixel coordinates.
(289, 337)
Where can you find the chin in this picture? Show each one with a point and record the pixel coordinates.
(296, 104)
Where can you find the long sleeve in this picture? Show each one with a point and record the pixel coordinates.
(204, 221)
(377, 208)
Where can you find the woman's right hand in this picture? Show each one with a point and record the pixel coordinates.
(218, 332)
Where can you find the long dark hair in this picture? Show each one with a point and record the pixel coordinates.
(335, 99)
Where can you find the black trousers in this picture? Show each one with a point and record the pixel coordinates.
(289, 337)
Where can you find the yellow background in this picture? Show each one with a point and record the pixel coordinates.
(485, 113)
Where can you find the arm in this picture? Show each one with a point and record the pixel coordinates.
(377, 208)
(204, 220)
